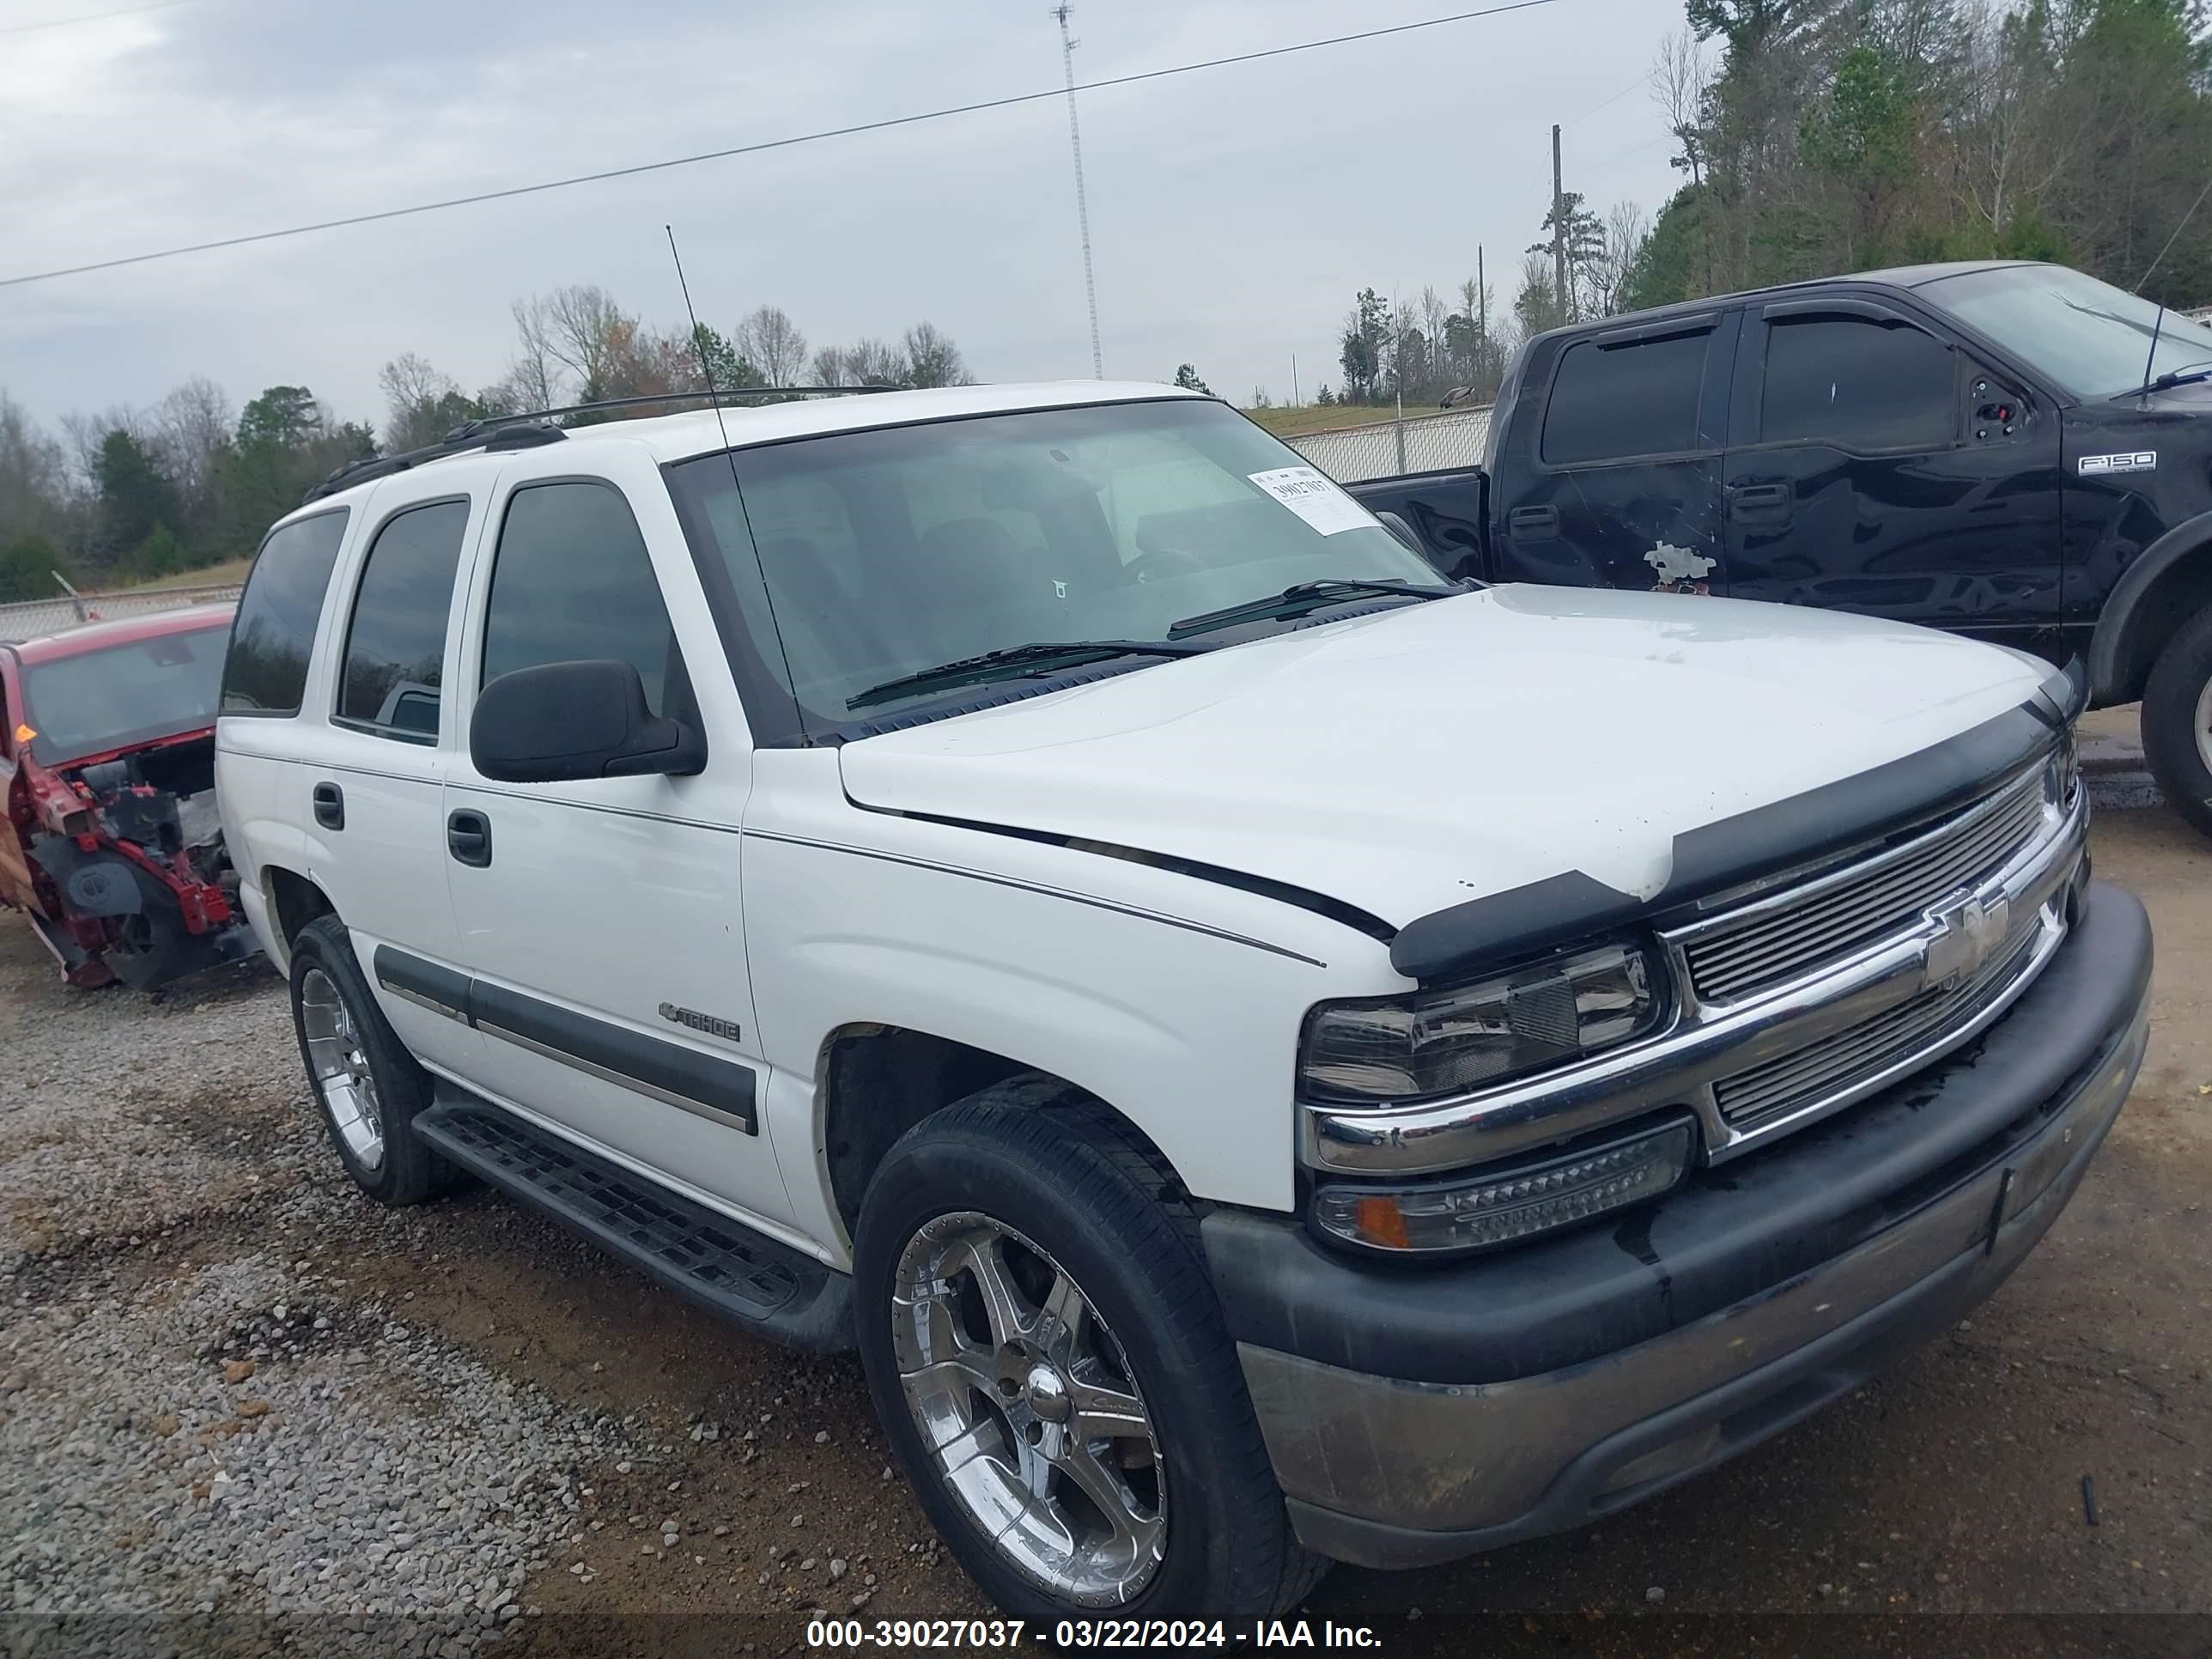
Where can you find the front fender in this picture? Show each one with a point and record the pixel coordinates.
(2118, 664)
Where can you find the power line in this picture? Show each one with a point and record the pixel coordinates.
(766, 144)
(1641, 80)
(95, 17)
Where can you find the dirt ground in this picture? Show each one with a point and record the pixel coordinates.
(1953, 1486)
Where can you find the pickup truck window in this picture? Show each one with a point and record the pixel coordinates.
(1611, 403)
(2092, 338)
(572, 582)
(266, 671)
(1859, 384)
(396, 645)
(859, 558)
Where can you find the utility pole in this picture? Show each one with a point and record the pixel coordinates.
(1481, 299)
(1295, 403)
(1558, 222)
(1067, 45)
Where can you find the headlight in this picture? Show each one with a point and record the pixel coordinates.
(2062, 773)
(1440, 1043)
(1503, 1206)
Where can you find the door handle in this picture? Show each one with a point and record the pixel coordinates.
(1758, 500)
(1532, 524)
(330, 806)
(468, 836)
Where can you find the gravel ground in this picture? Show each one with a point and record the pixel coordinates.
(242, 1409)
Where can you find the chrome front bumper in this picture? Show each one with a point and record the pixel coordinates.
(1387, 1471)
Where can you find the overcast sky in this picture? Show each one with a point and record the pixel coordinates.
(1234, 211)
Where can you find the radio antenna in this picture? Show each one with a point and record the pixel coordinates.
(737, 491)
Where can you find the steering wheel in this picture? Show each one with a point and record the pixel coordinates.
(1167, 561)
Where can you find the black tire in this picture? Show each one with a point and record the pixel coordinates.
(407, 1172)
(1067, 1175)
(154, 948)
(2171, 741)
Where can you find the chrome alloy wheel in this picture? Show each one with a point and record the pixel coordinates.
(1025, 1399)
(2201, 725)
(340, 1066)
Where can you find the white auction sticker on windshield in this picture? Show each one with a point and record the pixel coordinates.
(1315, 499)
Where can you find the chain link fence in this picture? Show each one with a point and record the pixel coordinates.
(1419, 443)
(33, 618)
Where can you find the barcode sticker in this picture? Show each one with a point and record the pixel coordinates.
(1315, 499)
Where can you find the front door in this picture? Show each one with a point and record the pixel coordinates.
(601, 919)
(1877, 467)
(1617, 484)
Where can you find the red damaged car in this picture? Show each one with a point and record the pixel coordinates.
(113, 846)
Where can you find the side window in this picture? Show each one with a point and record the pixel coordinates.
(572, 582)
(1609, 402)
(395, 649)
(1854, 382)
(266, 671)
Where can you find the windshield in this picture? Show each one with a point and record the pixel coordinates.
(126, 694)
(858, 558)
(2091, 338)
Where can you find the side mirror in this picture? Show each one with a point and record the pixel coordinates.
(567, 720)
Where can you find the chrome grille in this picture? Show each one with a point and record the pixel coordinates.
(1734, 962)
(1851, 1059)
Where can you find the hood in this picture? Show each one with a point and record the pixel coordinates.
(1446, 751)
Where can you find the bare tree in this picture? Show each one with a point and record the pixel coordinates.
(192, 427)
(1679, 81)
(533, 379)
(831, 368)
(873, 362)
(420, 402)
(932, 359)
(583, 328)
(771, 342)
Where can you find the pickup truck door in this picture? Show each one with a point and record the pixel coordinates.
(1877, 466)
(1607, 470)
(600, 918)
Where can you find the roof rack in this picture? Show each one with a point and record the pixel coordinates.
(529, 429)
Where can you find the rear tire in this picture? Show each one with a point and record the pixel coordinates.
(1029, 1208)
(2177, 721)
(365, 1083)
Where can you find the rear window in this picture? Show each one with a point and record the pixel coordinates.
(267, 670)
(1611, 403)
(395, 652)
(124, 695)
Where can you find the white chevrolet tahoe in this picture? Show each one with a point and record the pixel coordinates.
(1268, 1059)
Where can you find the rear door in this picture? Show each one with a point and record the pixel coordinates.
(1877, 466)
(601, 919)
(376, 777)
(1611, 478)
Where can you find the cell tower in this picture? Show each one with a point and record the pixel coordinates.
(1067, 45)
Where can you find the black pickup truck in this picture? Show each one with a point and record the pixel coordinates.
(2017, 451)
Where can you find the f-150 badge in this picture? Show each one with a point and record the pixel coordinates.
(2140, 460)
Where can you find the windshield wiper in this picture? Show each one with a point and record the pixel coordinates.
(2173, 377)
(1017, 660)
(1303, 595)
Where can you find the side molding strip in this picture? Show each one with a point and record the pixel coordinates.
(720, 1090)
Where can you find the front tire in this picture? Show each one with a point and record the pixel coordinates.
(2177, 721)
(367, 1084)
(1044, 1349)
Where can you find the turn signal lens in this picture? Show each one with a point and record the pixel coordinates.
(1504, 1208)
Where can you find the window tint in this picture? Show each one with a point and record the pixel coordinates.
(266, 671)
(1608, 403)
(396, 644)
(571, 582)
(1844, 380)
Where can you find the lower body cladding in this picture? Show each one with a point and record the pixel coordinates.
(1415, 1414)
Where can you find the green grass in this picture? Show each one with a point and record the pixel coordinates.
(229, 574)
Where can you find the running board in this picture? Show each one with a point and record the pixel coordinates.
(723, 1266)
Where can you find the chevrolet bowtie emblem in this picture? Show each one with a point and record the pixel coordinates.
(1972, 930)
